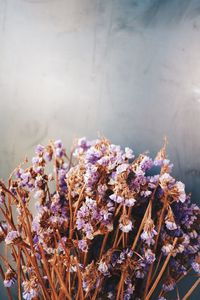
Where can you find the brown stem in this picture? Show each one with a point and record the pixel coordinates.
(149, 279)
(79, 199)
(141, 226)
(19, 273)
(8, 219)
(103, 244)
(62, 283)
(187, 295)
(47, 272)
(71, 214)
(33, 262)
(121, 283)
(80, 288)
(161, 272)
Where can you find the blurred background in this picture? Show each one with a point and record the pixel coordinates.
(128, 69)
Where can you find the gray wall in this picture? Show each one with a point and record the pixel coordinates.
(127, 69)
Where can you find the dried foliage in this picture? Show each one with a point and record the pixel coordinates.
(106, 225)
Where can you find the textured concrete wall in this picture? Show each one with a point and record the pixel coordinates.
(128, 69)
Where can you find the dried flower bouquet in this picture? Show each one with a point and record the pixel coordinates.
(104, 226)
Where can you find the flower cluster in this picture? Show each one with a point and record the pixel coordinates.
(105, 225)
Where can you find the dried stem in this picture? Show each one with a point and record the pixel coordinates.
(187, 295)
(161, 273)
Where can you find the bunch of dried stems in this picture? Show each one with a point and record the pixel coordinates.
(106, 225)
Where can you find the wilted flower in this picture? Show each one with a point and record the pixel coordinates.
(103, 268)
(125, 224)
(149, 232)
(169, 285)
(82, 244)
(149, 256)
(10, 278)
(31, 288)
(12, 237)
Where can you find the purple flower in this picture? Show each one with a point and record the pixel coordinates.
(129, 290)
(47, 156)
(39, 149)
(166, 249)
(149, 256)
(130, 202)
(116, 198)
(146, 163)
(82, 244)
(196, 267)
(169, 285)
(170, 225)
(83, 143)
(91, 175)
(58, 144)
(59, 152)
(35, 160)
(103, 268)
(2, 197)
(30, 290)
(10, 278)
(92, 155)
(122, 168)
(148, 233)
(11, 237)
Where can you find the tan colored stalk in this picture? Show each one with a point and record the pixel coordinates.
(149, 279)
(71, 213)
(8, 219)
(8, 191)
(80, 288)
(19, 273)
(161, 272)
(141, 226)
(62, 284)
(33, 262)
(32, 257)
(79, 199)
(187, 295)
(48, 273)
(121, 283)
(116, 236)
(103, 244)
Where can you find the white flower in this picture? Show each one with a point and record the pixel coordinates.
(103, 268)
(170, 225)
(181, 190)
(166, 249)
(150, 256)
(130, 202)
(39, 194)
(116, 198)
(165, 179)
(122, 168)
(129, 153)
(126, 226)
